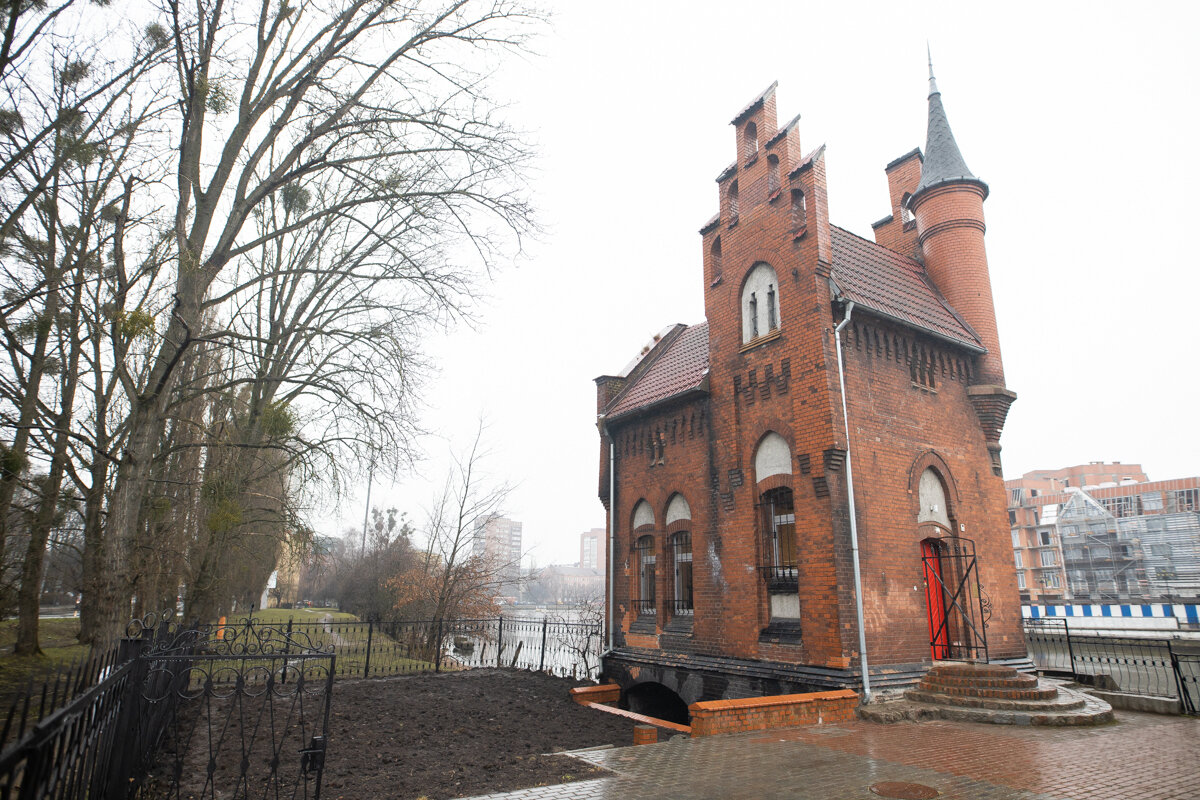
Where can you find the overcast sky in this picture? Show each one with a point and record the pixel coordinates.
(1081, 117)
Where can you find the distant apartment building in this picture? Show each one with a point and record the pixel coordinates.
(591, 550)
(499, 538)
(1120, 538)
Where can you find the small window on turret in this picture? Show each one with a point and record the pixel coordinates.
(750, 141)
(733, 203)
(799, 212)
(772, 176)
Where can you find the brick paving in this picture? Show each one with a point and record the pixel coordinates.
(1142, 756)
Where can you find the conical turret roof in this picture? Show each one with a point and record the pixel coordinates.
(943, 161)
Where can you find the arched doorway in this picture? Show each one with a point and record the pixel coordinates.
(953, 600)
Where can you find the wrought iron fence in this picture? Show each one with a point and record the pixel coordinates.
(382, 648)
(68, 749)
(1133, 664)
(1187, 673)
(240, 709)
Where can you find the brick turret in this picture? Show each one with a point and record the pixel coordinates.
(948, 207)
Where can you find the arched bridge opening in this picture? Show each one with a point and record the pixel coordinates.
(656, 700)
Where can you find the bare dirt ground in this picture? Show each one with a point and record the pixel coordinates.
(459, 734)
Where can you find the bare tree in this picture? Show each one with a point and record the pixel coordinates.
(453, 581)
(371, 98)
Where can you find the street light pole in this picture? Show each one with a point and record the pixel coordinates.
(367, 510)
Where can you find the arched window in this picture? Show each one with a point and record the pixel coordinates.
(679, 519)
(772, 175)
(715, 261)
(733, 202)
(906, 215)
(777, 529)
(760, 303)
(799, 211)
(646, 576)
(750, 141)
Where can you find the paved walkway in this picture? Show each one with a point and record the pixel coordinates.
(1140, 757)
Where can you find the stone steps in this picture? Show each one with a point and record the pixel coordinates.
(991, 693)
(1057, 701)
(1020, 681)
(1093, 711)
(1035, 693)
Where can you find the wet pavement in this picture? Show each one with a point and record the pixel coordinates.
(1140, 757)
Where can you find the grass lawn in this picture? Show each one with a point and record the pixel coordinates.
(280, 616)
(59, 647)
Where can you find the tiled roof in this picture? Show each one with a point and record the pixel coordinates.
(886, 282)
(943, 160)
(682, 367)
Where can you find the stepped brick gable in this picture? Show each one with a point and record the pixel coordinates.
(727, 464)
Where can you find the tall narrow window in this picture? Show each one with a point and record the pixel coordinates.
(772, 319)
(681, 552)
(779, 532)
(750, 138)
(733, 202)
(753, 315)
(646, 574)
(799, 211)
(715, 260)
(772, 175)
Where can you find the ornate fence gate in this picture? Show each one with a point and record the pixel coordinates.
(236, 711)
(176, 712)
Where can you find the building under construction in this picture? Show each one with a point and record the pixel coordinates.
(1115, 541)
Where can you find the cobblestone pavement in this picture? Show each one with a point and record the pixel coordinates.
(1140, 757)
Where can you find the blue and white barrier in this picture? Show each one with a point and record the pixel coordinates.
(1120, 616)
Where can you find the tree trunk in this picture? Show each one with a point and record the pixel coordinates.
(30, 597)
(93, 554)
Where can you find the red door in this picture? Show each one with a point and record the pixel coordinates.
(935, 600)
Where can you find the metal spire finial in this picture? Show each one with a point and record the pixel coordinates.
(932, 83)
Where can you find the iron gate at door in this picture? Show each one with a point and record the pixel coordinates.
(230, 711)
(961, 632)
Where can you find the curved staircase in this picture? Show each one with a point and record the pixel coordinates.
(991, 693)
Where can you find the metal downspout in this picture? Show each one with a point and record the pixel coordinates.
(612, 533)
(862, 634)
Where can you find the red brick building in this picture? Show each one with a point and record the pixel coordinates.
(729, 471)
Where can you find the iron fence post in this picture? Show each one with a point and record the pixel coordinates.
(1184, 700)
(370, 635)
(542, 660)
(437, 648)
(499, 640)
(1070, 650)
(287, 650)
(129, 745)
